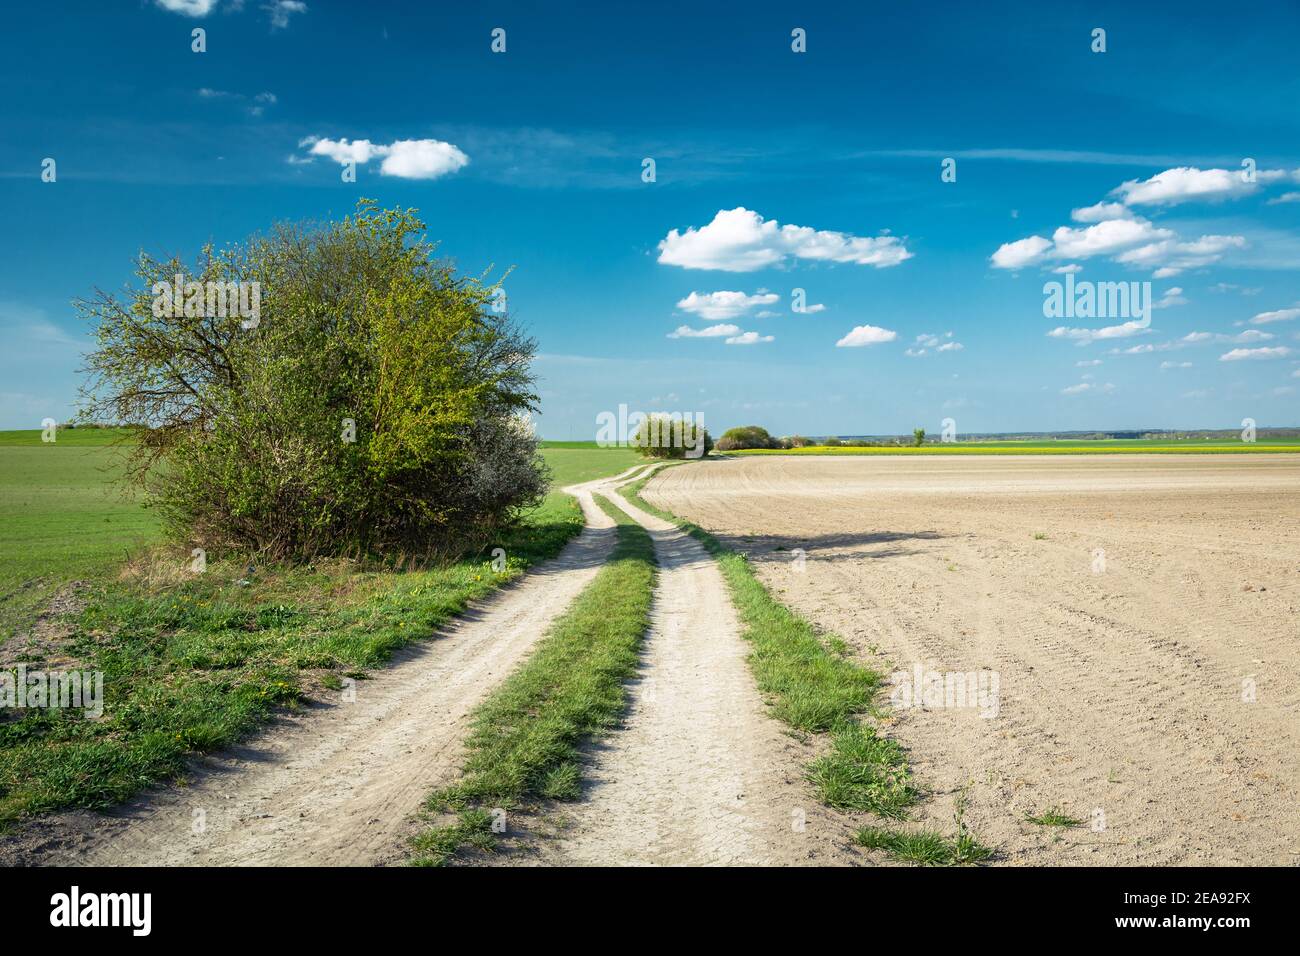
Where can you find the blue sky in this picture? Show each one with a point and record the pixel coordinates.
(775, 171)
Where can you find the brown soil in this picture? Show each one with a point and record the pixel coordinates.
(1125, 683)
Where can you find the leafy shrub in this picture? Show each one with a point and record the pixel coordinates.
(831, 442)
(796, 441)
(746, 436)
(671, 436)
(375, 405)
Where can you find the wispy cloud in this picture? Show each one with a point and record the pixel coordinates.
(279, 11)
(1085, 387)
(749, 338)
(927, 343)
(254, 105)
(1081, 157)
(1085, 336)
(1237, 355)
(1277, 315)
(712, 332)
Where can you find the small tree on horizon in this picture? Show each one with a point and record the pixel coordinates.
(746, 436)
(918, 436)
(668, 436)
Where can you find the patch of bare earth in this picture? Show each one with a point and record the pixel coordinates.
(45, 643)
(1142, 614)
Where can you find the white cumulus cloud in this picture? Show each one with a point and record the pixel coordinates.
(1184, 183)
(405, 158)
(866, 335)
(1100, 211)
(724, 305)
(422, 159)
(1105, 238)
(188, 8)
(1021, 253)
(741, 240)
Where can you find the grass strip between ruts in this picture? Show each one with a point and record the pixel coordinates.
(524, 745)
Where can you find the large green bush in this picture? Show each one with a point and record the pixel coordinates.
(746, 436)
(375, 406)
(672, 437)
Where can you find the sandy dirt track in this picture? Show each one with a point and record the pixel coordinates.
(339, 784)
(1127, 604)
(699, 774)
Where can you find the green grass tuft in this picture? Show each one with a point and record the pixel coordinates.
(927, 847)
(864, 771)
(436, 845)
(1054, 818)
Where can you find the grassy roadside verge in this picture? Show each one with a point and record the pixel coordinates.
(193, 662)
(525, 738)
(812, 686)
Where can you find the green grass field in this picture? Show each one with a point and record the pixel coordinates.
(62, 517)
(1116, 446)
(573, 462)
(192, 662)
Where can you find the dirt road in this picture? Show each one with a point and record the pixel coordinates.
(1142, 615)
(339, 784)
(699, 774)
